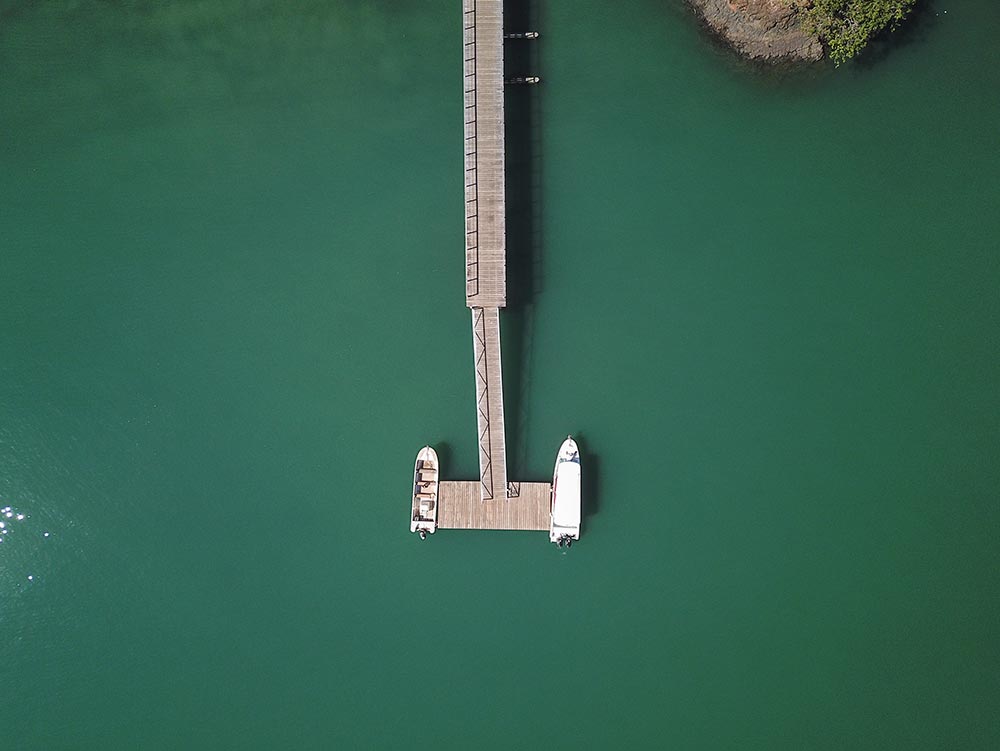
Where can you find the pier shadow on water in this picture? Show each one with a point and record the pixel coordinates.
(525, 256)
(522, 57)
(444, 452)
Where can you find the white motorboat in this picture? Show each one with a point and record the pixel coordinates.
(426, 471)
(566, 504)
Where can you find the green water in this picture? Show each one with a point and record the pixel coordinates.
(765, 303)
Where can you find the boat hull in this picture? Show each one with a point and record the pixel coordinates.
(426, 478)
(566, 509)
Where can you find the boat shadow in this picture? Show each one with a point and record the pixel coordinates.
(590, 464)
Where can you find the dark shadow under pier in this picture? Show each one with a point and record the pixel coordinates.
(523, 140)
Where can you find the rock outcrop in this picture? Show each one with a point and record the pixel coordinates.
(766, 30)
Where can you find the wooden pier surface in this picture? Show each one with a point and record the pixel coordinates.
(460, 507)
(489, 403)
(488, 503)
(485, 207)
(485, 229)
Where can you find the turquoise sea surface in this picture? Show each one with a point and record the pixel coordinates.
(231, 312)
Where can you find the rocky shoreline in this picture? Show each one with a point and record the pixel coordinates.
(762, 30)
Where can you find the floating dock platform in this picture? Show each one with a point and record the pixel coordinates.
(525, 508)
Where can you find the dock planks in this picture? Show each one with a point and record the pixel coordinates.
(485, 229)
(485, 206)
(489, 403)
(460, 507)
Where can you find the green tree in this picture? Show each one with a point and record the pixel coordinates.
(846, 26)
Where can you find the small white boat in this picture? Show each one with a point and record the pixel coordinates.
(566, 505)
(426, 471)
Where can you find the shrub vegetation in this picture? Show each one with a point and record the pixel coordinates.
(845, 26)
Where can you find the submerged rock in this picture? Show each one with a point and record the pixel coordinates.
(767, 30)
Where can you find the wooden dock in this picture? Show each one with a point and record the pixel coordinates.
(485, 206)
(526, 509)
(489, 403)
(485, 229)
(491, 502)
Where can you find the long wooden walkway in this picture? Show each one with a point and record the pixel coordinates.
(485, 207)
(489, 403)
(485, 229)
